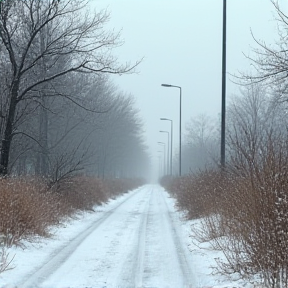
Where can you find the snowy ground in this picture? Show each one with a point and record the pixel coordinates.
(137, 240)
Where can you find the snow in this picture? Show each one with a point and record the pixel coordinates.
(136, 240)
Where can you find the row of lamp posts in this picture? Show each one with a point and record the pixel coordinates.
(223, 104)
(171, 134)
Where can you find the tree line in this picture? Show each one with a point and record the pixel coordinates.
(59, 111)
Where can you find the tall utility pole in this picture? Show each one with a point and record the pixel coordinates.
(223, 112)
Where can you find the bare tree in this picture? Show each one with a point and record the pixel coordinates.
(270, 60)
(120, 142)
(201, 143)
(254, 208)
(74, 41)
(253, 119)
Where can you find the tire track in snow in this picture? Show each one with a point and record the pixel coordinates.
(161, 260)
(188, 275)
(164, 262)
(142, 244)
(134, 244)
(132, 270)
(63, 253)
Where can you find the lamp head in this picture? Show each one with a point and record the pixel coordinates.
(166, 85)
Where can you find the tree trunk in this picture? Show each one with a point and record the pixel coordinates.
(8, 131)
(43, 123)
(42, 159)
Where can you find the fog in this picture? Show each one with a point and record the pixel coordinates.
(168, 42)
(181, 44)
(82, 99)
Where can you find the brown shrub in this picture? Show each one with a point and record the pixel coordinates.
(197, 193)
(26, 207)
(244, 212)
(255, 217)
(116, 187)
(82, 192)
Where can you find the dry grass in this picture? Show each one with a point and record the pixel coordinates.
(82, 192)
(115, 187)
(244, 214)
(26, 208)
(29, 206)
(196, 193)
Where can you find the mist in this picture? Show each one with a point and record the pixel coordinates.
(181, 44)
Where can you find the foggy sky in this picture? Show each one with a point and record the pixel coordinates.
(181, 42)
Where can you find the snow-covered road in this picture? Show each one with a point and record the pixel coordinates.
(136, 243)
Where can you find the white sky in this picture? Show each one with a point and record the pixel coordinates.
(181, 42)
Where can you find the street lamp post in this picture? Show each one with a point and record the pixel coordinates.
(167, 149)
(171, 145)
(163, 144)
(168, 85)
(223, 105)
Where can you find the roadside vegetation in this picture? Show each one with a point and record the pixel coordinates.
(243, 208)
(69, 139)
(28, 206)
